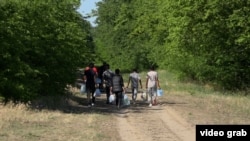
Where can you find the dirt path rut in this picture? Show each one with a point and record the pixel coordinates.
(158, 123)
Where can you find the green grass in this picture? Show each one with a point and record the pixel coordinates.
(230, 107)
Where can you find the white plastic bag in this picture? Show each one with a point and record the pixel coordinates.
(112, 98)
(126, 100)
(144, 96)
(97, 92)
(83, 88)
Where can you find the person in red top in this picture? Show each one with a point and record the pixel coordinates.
(90, 74)
(94, 68)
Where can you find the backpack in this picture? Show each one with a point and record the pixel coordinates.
(117, 82)
(108, 77)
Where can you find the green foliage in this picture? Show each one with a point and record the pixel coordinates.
(125, 40)
(43, 42)
(211, 46)
(203, 40)
(42, 45)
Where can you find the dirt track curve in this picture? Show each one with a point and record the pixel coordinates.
(138, 122)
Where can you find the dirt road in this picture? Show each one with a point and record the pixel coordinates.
(139, 122)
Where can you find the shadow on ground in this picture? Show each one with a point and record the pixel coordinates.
(76, 103)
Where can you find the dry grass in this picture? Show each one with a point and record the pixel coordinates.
(201, 104)
(210, 109)
(19, 123)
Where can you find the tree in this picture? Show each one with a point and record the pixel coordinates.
(203, 40)
(43, 44)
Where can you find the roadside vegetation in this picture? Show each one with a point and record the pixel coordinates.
(200, 48)
(205, 104)
(202, 41)
(66, 117)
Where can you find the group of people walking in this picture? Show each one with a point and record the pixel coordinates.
(152, 84)
(113, 83)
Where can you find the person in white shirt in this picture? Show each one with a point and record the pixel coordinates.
(135, 81)
(152, 83)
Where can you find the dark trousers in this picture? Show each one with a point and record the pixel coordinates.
(107, 89)
(90, 93)
(118, 100)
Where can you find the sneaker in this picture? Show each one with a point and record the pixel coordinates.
(92, 104)
(150, 105)
(89, 105)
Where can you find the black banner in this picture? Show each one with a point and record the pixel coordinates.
(223, 132)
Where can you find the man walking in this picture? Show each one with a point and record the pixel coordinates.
(135, 79)
(90, 75)
(152, 82)
(117, 87)
(107, 78)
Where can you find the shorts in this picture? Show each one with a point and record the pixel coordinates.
(152, 91)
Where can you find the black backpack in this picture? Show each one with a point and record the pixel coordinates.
(108, 77)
